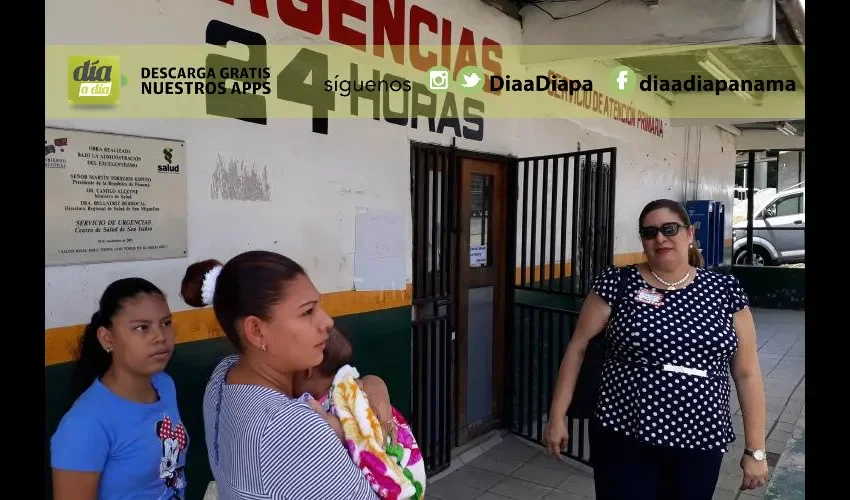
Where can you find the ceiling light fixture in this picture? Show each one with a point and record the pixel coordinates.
(716, 68)
(786, 128)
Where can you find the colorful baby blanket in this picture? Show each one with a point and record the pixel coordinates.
(396, 472)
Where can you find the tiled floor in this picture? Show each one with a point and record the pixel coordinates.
(512, 468)
(507, 467)
(789, 481)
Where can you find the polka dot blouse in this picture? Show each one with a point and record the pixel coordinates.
(665, 379)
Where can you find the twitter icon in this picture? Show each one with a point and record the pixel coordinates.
(471, 78)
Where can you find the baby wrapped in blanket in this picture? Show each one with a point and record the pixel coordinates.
(375, 434)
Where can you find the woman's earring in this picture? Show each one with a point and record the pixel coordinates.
(264, 347)
(107, 349)
(690, 245)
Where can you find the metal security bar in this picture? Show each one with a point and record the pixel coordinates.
(563, 222)
(565, 217)
(433, 186)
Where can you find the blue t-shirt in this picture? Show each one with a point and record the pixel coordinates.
(139, 449)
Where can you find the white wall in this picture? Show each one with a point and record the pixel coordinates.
(631, 22)
(792, 171)
(318, 180)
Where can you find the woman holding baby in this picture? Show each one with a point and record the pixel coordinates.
(262, 440)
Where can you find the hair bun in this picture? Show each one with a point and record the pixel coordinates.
(192, 288)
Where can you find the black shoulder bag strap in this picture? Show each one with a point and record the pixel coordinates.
(586, 392)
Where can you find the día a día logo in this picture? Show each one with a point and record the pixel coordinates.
(94, 80)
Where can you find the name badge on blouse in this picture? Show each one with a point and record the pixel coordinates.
(651, 297)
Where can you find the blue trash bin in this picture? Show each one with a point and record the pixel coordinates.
(702, 215)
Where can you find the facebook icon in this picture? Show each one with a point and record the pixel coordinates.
(623, 78)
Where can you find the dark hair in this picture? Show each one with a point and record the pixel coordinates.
(93, 360)
(694, 255)
(250, 284)
(193, 280)
(338, 352)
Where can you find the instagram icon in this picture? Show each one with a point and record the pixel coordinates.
(438, 78)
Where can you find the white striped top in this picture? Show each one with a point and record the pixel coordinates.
(265, 445)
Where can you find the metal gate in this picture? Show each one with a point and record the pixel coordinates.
(434, 205)
(553, 197)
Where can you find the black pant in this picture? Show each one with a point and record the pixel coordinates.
(626, 469)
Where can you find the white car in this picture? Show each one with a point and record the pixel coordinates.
(778, 231)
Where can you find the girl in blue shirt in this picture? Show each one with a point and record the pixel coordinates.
(123, 437)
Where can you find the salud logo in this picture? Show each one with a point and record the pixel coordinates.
(623, 79)
(168, 167)
(94, 80)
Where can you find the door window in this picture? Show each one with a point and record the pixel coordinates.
(480, 204)
(791, 205)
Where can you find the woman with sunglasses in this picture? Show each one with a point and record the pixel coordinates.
(662, 420)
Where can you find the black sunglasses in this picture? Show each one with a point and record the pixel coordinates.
(668, 229)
